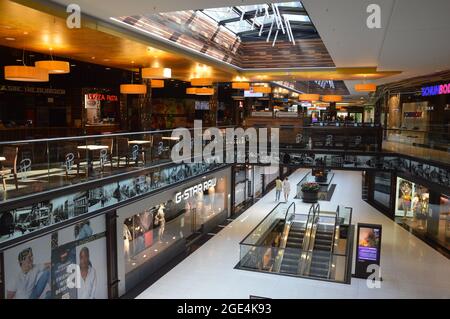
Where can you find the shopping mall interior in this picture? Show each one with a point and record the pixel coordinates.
(116, 116)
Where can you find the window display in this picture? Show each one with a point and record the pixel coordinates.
(68, 264)
(412, 200)
(159, 222)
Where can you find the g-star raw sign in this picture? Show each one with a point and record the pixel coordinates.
(436, 90)
(191, 191)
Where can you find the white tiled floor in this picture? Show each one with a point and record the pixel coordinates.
(410, 268)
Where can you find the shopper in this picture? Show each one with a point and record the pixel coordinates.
(286, 189)
(278, 188)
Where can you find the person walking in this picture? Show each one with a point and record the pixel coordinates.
(278, 188)
(286, 189)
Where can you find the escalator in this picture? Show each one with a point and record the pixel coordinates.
(322, 251)
(293, 250)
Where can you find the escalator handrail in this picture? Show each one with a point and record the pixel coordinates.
(287, 211)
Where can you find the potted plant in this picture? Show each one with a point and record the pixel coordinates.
(310, 192)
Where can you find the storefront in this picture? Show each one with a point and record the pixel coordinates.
(152, 231)
(423, 211)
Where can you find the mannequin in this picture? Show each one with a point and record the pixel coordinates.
(160, 220)
(126, 242)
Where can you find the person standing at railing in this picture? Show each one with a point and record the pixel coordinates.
(286, 189)
(278, 188)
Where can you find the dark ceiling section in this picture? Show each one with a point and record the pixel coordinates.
(305, 53)
(339, 87)
(416, 83)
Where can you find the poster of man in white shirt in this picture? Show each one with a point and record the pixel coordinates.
(27, 270)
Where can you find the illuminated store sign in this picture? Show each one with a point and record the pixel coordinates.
(102, 97)
(413, 114)
(436, 90)
(191, 191)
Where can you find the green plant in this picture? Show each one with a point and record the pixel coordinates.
(310, 187)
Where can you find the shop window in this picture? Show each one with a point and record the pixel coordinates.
(382, 189)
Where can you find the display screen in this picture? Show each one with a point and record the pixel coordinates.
(368, 243)
(201, 105)
(252, 94)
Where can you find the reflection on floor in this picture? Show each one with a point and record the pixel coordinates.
(416, 151)
(410, 268)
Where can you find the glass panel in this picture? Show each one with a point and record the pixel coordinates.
(220, 14)
(239, 26)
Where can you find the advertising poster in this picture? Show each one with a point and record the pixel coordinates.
(368, 243)
(68, 264)
(27, 270)
(368, 251)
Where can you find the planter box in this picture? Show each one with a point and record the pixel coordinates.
(310, 197)
(321, 179)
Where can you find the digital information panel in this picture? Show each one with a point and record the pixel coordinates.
(368, 249)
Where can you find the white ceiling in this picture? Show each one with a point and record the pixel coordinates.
(414, 37)
(113, 8)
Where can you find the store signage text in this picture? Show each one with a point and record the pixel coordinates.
(33, 90)
(436, 90)
(191, 191)
(102, 97)
(413, 114)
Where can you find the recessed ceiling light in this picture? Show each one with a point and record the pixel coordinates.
(10, 39)
(108, 69)
(106, 60)
(73, 65)
(25, 33)
(19, 60)
(93, 58)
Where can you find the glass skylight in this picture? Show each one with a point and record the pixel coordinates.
(220, 14)
(239, 26)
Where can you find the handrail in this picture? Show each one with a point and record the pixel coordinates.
(82, 137)
(287, 211)
(243, 240)
(333, 242)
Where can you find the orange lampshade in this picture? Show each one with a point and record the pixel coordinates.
(157, 84)
(25, 73)
(54, 67)
(133, 89)
(365, 87)
(191, 90)
(204, 91)
(262, 89)
(201, 81)
(332, 98)
(156, 73)
(240, 85)
(309, 97)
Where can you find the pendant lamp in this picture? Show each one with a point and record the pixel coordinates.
(157, 84)
(365, 87)
(156, 73)
(53, 66)
(25, 73)
(332, 98)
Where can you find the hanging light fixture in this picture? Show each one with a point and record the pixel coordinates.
(25, 73)
(365, 87)
(157, 84)
(201, 81)
(332, 98)
(156, 73)
(262, 89)
(204, 91)
(54, 67)
(309, 97)
(133, 88)
(240, 85)
(191, 90)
